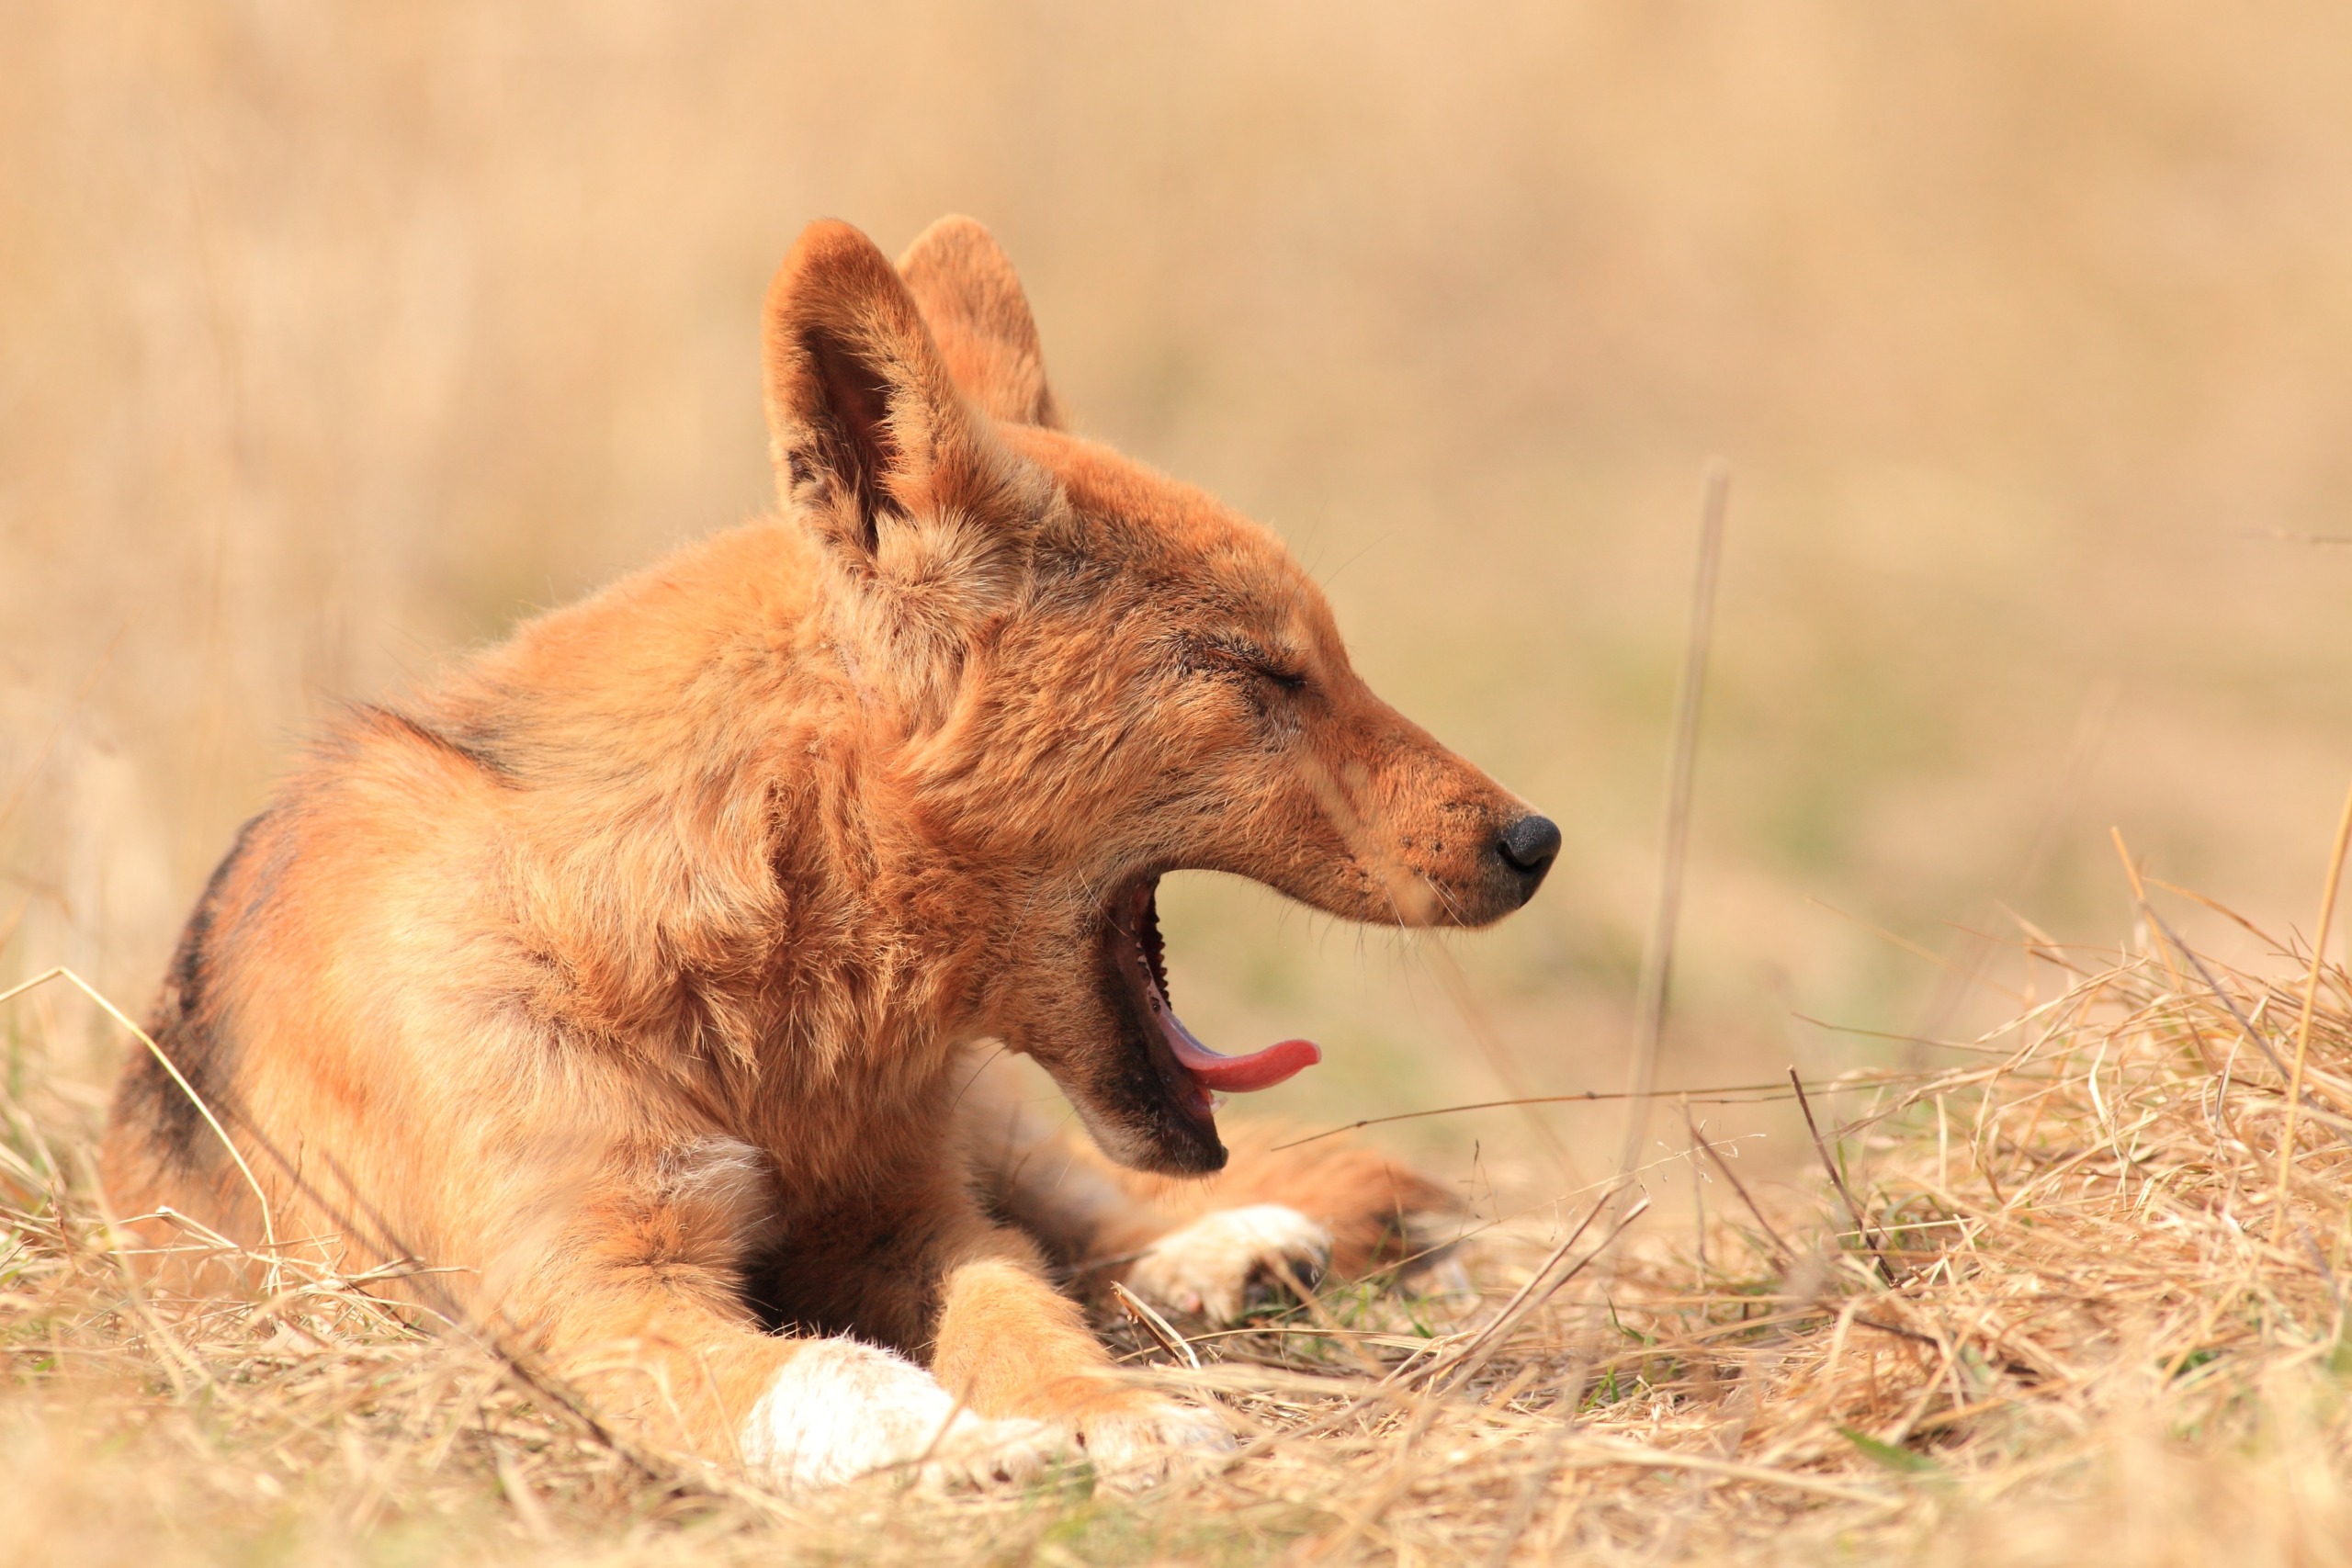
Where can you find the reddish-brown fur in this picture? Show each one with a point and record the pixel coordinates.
(634, 972)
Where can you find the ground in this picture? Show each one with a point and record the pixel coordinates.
(2050, 1307)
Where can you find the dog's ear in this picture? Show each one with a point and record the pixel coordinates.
(865, 423)
(981, 318)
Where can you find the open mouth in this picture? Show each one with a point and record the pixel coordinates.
(1203, 1073)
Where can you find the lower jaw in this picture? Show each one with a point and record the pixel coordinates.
(1165, 1139)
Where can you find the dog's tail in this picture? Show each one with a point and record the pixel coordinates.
(1379, 1212)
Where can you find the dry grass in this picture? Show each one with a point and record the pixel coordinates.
(339, 336)
(2059, 1330)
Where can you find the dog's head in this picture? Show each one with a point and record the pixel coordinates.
(1090, 675)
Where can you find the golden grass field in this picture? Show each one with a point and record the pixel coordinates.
(335, 338)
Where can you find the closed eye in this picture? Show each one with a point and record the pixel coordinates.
(1246, 658)
(1287, 677)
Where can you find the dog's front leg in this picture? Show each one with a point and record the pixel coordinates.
(639, 1301)
(1011, 1345)
(839, 1408)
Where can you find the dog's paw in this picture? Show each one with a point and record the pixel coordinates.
(1140, 1441)
(840, 1410)
(1208, 1267)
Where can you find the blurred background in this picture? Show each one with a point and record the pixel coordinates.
(334, 338)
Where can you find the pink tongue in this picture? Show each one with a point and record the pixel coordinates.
(1237, 1075)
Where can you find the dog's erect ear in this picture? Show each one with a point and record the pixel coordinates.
(980, 319)
(864, 422)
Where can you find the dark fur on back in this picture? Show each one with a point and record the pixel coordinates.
(186, 1024)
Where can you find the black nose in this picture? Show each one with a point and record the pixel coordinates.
(1528, 846)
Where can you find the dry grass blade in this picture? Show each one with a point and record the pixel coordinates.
(1146, 1318)
(2310, 1001)
(2237, 1015)
(1838, 1181)
(1658, 953)
(1787, 1253)
(1464, 1363)
(268, 1221)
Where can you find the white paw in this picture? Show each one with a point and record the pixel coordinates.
(1139, 1444)
(1207, 1266)
(840, 1410)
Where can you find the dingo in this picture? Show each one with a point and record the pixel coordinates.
(637, 972)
